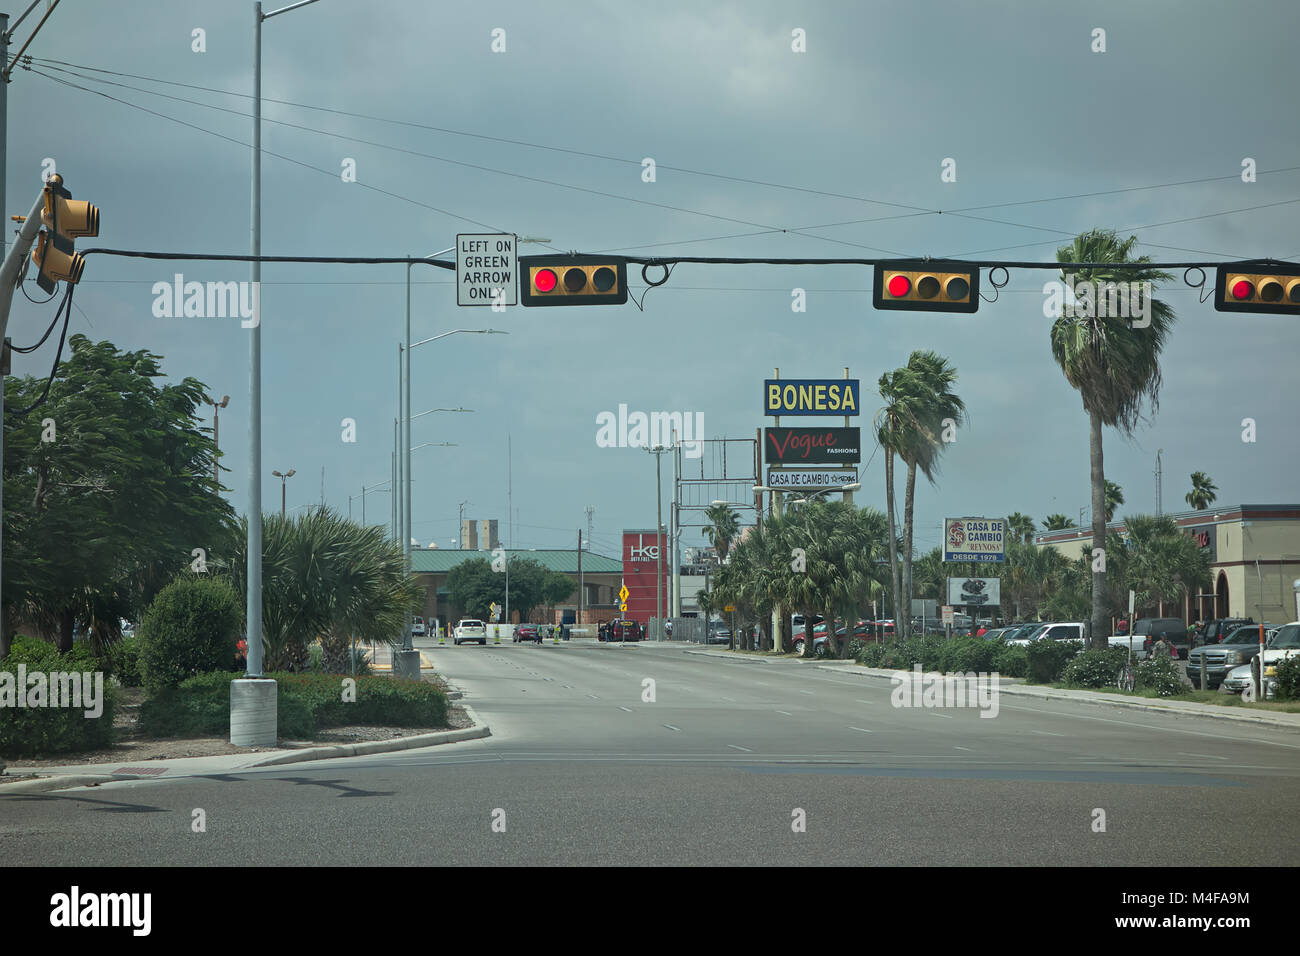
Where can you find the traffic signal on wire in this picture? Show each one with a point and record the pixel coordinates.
(1260, 286)
(572, 280)
(926, 286)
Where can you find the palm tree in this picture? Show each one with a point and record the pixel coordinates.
(1057, 522)
(723, 528)
(1115, 367)
(1203, 491)
(1114, 498)
(1021, 527)
(1163, 562)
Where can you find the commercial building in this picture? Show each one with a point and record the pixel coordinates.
(1254, 553)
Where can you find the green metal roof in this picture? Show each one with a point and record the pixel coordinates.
(438, 561)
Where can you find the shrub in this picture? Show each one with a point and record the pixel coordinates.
(1159, 674)
(1011, 660)
(305, 704)
(1095, 668)
(124, 661)
(189, 629)
(1288, 679)
(966, 654)
(37, 731)
(871, 655)
(1047, 659)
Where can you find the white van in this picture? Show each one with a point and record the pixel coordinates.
(417, 627)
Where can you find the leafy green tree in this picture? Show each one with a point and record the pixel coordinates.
(1203, 492)
(108, 492)
(1021, 527)
(473, 586)
(1114, 365)
(723, 528)
(1114, 498)
(190, 628)
(1057, 522)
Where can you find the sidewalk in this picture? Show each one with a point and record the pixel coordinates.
(1016, 686)
(89, 775)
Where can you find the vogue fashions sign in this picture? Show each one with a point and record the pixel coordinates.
(812, 446)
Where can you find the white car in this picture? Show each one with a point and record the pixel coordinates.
(417, 627)
(471, 629)
(1053, 631)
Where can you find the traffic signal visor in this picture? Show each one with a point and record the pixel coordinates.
(926, 287)
(572, 280)
(1258, 287)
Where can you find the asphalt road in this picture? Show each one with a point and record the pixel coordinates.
(719, 769)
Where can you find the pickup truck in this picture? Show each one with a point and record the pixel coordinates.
(1122, 640)
(1238, 648)
(471, 629)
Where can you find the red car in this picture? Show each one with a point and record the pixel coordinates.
(528, 632)
(623, 630)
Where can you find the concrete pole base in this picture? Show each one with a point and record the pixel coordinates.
(406, 664)
(253, 712)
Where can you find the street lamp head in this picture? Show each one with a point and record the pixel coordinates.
(225, 400)
(291, 473)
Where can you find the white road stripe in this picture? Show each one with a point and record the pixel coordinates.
(593, 697)
(967, 749)
(671, 727)
(944, 716)
(1210, 756)
(786, 712)
(628, 709)
(865, 701)
(1046, 733)
(745, 749)
(861, 730)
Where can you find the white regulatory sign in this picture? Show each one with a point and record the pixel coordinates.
(486, 269)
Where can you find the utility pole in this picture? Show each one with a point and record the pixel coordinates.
(658, 452)
(579, 577)
(1160, 484)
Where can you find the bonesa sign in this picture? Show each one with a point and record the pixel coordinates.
(486, 267)
(810, 479)
(975, 592)
(974, 539)
(811, 396)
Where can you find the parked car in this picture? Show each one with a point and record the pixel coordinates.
(1285, 643)
(1237, 648)
(1029, 633)
(623, 630)
(1125, 641)
(417, 627)
(719, 634)
(1174, 629)
(471, 629)
(864, 631)
(1216, 630)
(528, 632)
(1237, 679)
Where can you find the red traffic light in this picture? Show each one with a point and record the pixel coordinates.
(1258, 286)
(573, 280)
(926, 286)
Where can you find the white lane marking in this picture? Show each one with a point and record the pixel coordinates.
(865, 701)
(1210, 756)
(967, 749)
(944, 716)
(593, 697)
(1218, 735)
(671, 727)
(861, 730)
(808, 692)
(745, 749)
(786, 712)
(628, 709)
(1046, 733)
(731, 699)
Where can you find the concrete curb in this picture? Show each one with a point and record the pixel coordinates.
(728, 656)
(1182, 708)
(479, 730)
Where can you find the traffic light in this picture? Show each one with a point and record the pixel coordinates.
(65, 220)
(572, 280)
(1258, 287)
(926, 286)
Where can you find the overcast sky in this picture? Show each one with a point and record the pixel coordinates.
(794, 144)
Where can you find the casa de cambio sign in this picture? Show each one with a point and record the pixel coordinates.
(974, 539)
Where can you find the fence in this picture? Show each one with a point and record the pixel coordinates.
(687, 630)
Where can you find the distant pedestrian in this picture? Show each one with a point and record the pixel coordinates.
(982, 631)
(1122, 627)
(1161, 647)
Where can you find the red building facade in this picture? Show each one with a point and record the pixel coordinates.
(641, 549)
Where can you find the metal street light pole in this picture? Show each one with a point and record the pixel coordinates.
(283, 479)
(658, 452)
(253, 623)
(216, 434)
